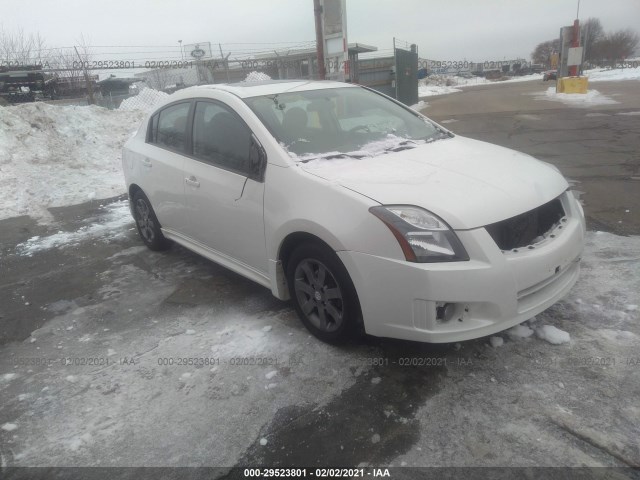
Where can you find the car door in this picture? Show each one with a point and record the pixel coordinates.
(223, 197)
(161, 164)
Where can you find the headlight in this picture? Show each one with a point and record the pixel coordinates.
(423, 236)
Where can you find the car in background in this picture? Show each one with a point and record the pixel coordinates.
(550, 75)
(365, 213)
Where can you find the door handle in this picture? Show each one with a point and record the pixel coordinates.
(146, 163)
(192, 181)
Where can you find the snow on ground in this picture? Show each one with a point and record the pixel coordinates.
(52, 156)
(614, 74)
(445, 84)
(430, 90)
(553, 335)
(584, 100)
(174, 381)
(114, 225)
(519, 331)
(420, 105)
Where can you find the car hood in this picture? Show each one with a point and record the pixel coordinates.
(466, 182)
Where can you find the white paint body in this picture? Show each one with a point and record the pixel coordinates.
(241, 223)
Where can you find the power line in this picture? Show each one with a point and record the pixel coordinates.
(173, 50)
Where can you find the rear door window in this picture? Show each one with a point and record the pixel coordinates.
(172, 127)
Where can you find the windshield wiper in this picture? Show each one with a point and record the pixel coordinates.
(332, 156)
(404, 145)
(439, 135)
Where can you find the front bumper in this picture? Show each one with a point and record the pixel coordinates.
(493, 291)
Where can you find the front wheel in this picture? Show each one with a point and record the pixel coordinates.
(323, 293)
(147, 223)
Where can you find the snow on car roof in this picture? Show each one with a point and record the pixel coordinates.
(254, 89)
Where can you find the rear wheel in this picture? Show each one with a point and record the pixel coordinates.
(147, 223)
(323, 293)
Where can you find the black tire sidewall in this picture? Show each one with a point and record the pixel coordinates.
(351, 305)
(159, 241)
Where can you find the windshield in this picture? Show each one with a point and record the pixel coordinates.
(340, 122)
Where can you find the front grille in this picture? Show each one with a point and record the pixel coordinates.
(523, 229)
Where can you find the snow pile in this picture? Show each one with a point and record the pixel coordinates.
(257, 77)
(52, 156)
(438, 85)
(553, 335)
(145, 101)
(419, 106)
(135, 88)
(519, 331)
(431, 90)
(117, 218)
(549, 333)
(589, 99)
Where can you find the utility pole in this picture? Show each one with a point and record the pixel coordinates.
(575, 42)
(86, 78)
(225, 61)
(317, 10)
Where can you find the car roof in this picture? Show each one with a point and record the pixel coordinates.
(254, 89)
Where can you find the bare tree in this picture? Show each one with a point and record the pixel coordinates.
(65, 62)
(593, 35)
(617, 45)
(85, 58)
(21, 49)
(623, 43)
(71, 67)
(543, 51)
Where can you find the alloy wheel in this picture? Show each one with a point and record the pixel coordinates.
(319, 295)
(145, 222)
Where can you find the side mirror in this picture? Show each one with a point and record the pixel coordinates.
(257, 160)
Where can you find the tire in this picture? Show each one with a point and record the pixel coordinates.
(147, 223)
(323, 293)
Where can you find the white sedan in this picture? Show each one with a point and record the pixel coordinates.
(368, 215)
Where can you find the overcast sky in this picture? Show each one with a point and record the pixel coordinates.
(477, 30)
